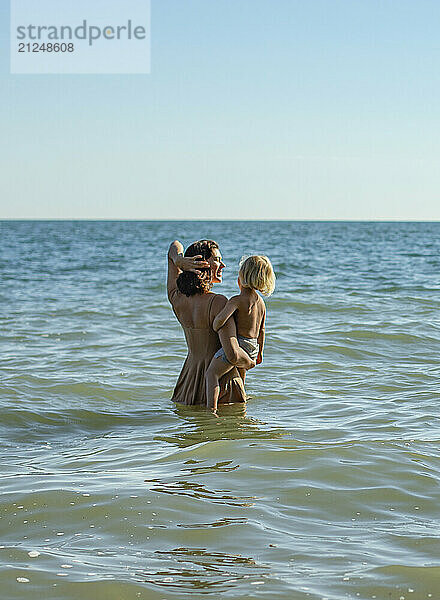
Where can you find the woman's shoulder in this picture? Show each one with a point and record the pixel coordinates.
(217, 295)
(218, 301)
(214, 302)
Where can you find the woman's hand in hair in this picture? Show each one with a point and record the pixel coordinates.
(191, 263)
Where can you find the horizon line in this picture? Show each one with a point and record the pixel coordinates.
(262, 220)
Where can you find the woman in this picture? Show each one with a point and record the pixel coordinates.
(190, 279)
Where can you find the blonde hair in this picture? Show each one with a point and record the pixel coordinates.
(256, 272)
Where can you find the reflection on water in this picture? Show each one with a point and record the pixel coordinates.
(219, 523)
(196, 428)
(198, 491)
(197, 425)
(215, 567)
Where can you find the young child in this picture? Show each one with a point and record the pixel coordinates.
(249, 311)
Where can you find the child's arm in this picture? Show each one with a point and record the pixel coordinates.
(229, 309)
(260, 339)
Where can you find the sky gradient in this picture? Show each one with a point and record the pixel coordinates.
(254, 109)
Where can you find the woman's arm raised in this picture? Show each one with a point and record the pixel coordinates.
(175, 251)
(177, 263)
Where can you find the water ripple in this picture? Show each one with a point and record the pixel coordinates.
(325, 486)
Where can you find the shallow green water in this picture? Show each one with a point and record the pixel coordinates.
(326, 487)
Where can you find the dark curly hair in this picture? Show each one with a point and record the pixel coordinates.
(190, 283)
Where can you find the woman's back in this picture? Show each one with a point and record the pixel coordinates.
(195, 315)
(193, 311)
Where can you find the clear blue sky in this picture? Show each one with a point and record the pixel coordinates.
(271, 109)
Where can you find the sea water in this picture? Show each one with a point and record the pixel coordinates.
(326, 487)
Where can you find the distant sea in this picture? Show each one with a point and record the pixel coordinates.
(327, 487)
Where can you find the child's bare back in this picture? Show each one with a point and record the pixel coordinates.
(249, 313)
(248, 310)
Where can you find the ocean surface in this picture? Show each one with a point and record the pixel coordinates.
(326, 487)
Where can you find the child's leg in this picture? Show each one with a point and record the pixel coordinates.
(214, 372)
(242, 373)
